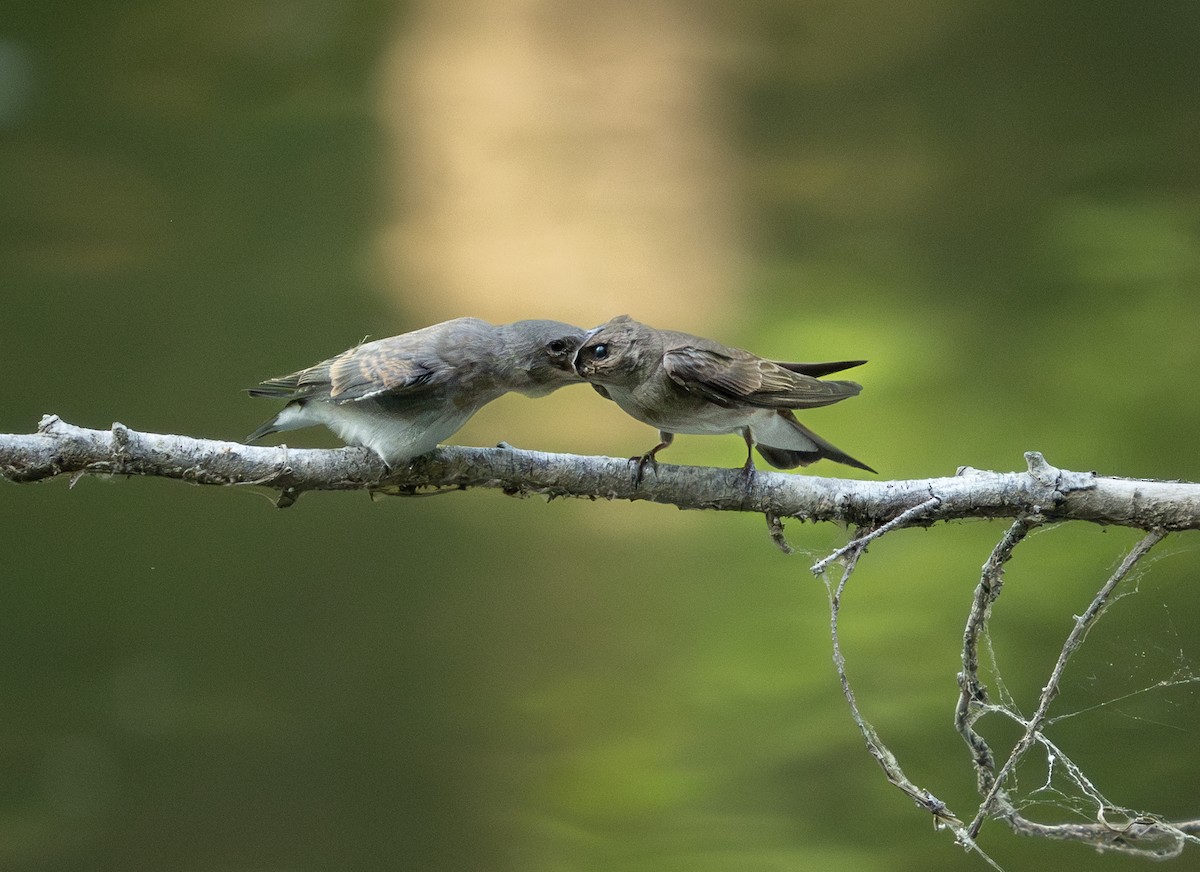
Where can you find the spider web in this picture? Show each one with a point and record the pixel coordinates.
(1037, 779)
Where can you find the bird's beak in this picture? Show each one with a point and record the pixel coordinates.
(575, 360)
(567, 362)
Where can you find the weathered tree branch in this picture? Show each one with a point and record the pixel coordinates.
(1040, 495)
(58, 448)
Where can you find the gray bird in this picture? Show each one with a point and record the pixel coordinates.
(402, 396)
(681, 383)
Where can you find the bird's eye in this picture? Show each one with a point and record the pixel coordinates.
(599, 352)
(557, 346)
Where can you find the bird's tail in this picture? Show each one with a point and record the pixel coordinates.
(803, 446)
(285, 387)
(264, 429)
(296, 387)
(294, 416)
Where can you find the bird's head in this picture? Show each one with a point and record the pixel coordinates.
(540, 355)
(615, 352)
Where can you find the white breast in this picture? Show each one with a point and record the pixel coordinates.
(394, 436)
(700, 418)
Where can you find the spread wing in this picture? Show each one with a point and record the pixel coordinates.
(384, 367)
(735, 377)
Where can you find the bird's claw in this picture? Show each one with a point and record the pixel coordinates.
(746, 474)
(640, 462)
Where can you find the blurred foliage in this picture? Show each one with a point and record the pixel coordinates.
(998, 204)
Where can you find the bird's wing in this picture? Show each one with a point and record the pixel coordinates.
(379, 368)
(375, 369)
(816, 370)
(739, 377)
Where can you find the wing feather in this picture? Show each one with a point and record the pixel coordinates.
(816, 370)
(735, 377)
(383, 367)
(379, 368)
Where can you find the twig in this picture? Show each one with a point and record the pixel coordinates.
(924, 799)
(904, 519)
(972, 698)
(1138, 833)
(1074, 640)
(776, 532)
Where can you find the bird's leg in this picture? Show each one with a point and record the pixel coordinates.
(648, 459)
(748, 469)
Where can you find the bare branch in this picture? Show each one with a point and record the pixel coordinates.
(973, 698)
(943, 817)
(1039, 495)
(1083, 623)
(905, 518)
(1115, 829)
(59, 448)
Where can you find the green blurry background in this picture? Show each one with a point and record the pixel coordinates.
(998, 204)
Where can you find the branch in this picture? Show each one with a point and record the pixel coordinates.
(58, 448)
(1042, 494)
(943, 817)
(1115, 828)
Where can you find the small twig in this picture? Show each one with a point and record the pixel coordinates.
(775, 530)
(1140, 834)
(1074, 641)
(973, 697)
(924, 799)
(859, 544)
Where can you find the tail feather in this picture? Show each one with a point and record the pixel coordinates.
(294, 416)
(285, 387)
(302, 384)
(790, 458)
(296, 388)
(816, 370)
(264, 429)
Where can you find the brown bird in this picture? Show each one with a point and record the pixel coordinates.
(681, 383)
(402, 396)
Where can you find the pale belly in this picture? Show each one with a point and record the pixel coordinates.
(396, 436)
(702, 418)
(699, 418)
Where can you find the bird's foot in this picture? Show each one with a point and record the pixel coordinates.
(639, 466)
(747, 474)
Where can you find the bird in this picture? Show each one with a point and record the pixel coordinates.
(681, 383)
(403, 395)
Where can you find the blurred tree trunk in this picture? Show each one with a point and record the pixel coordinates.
(569, 159)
